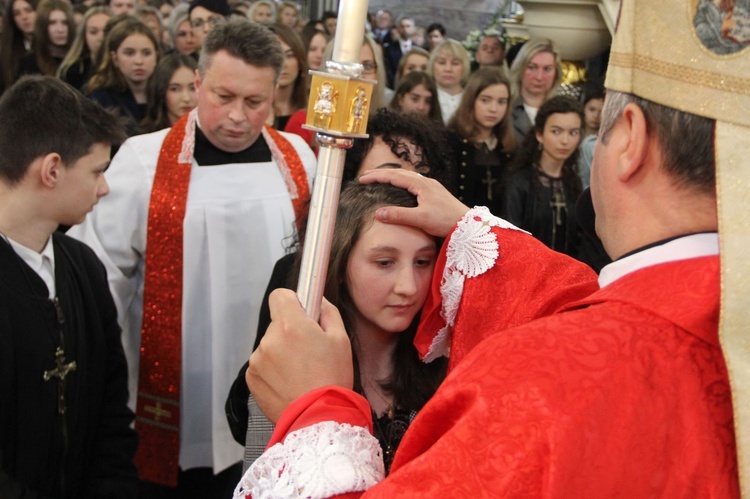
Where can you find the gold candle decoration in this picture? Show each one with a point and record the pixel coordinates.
(339, 105)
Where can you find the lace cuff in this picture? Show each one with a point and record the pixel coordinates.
(472, 250)
(319, 461)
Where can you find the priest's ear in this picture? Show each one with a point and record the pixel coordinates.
(635, 146)
(50, 169)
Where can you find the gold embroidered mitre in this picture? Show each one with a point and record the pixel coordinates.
(694, 55)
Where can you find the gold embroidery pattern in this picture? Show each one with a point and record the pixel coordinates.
(717, 81)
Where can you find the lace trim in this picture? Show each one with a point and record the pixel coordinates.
(472, 250)
(188, 142)
(315, 462)
(280, 159)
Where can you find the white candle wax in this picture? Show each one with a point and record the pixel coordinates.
(350, 30)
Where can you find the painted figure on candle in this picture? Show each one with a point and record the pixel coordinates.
(325, 105)
(358, 110)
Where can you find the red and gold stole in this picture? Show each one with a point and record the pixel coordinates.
(158, 410)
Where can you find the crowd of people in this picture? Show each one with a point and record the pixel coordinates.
(133, 58)
(200, 217)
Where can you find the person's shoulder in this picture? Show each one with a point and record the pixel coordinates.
(133, 164)
(78, 251)
(144, 143)
(105, 97)
(27, 64)
(157, 136)
(303, 149)
(589, 142)
(454, 139)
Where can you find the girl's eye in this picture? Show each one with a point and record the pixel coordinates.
(383, 263)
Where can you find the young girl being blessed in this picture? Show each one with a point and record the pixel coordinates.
(388, 365)
(378, 277)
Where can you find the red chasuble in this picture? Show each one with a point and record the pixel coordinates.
(623, 393)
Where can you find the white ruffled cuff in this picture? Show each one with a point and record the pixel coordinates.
(472, 250)
(319, 461)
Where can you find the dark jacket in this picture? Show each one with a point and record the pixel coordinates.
(472, 179)
(87, 452)
(123, 103)
(527, 204)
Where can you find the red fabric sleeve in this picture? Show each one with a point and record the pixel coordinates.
(330, 403)
(527, 281)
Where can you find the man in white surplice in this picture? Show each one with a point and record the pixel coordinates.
(245, 184)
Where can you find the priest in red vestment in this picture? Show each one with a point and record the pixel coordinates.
(558, 388)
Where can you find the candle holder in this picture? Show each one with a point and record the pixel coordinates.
(338, 111)
(339, 102)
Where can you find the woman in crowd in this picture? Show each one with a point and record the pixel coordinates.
(315, 42)
(415, 59)
(482, 138)
(291, 94)
(79, 64)
(170, 92)
(129, 56)
(541, 193)
(263, 12)
(290, 105)
(288, 14)
(53, 36)
(183, 40)
(535, 74)
(15, 40)
(449, 65)
(417, 93)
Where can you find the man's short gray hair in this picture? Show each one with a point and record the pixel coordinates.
(251, 42)
(686, 139)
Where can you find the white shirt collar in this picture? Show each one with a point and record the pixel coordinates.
(683, 248)
(42, 263)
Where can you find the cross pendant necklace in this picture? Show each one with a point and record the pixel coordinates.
(558, 204)
(61, 369)
(490, 181)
